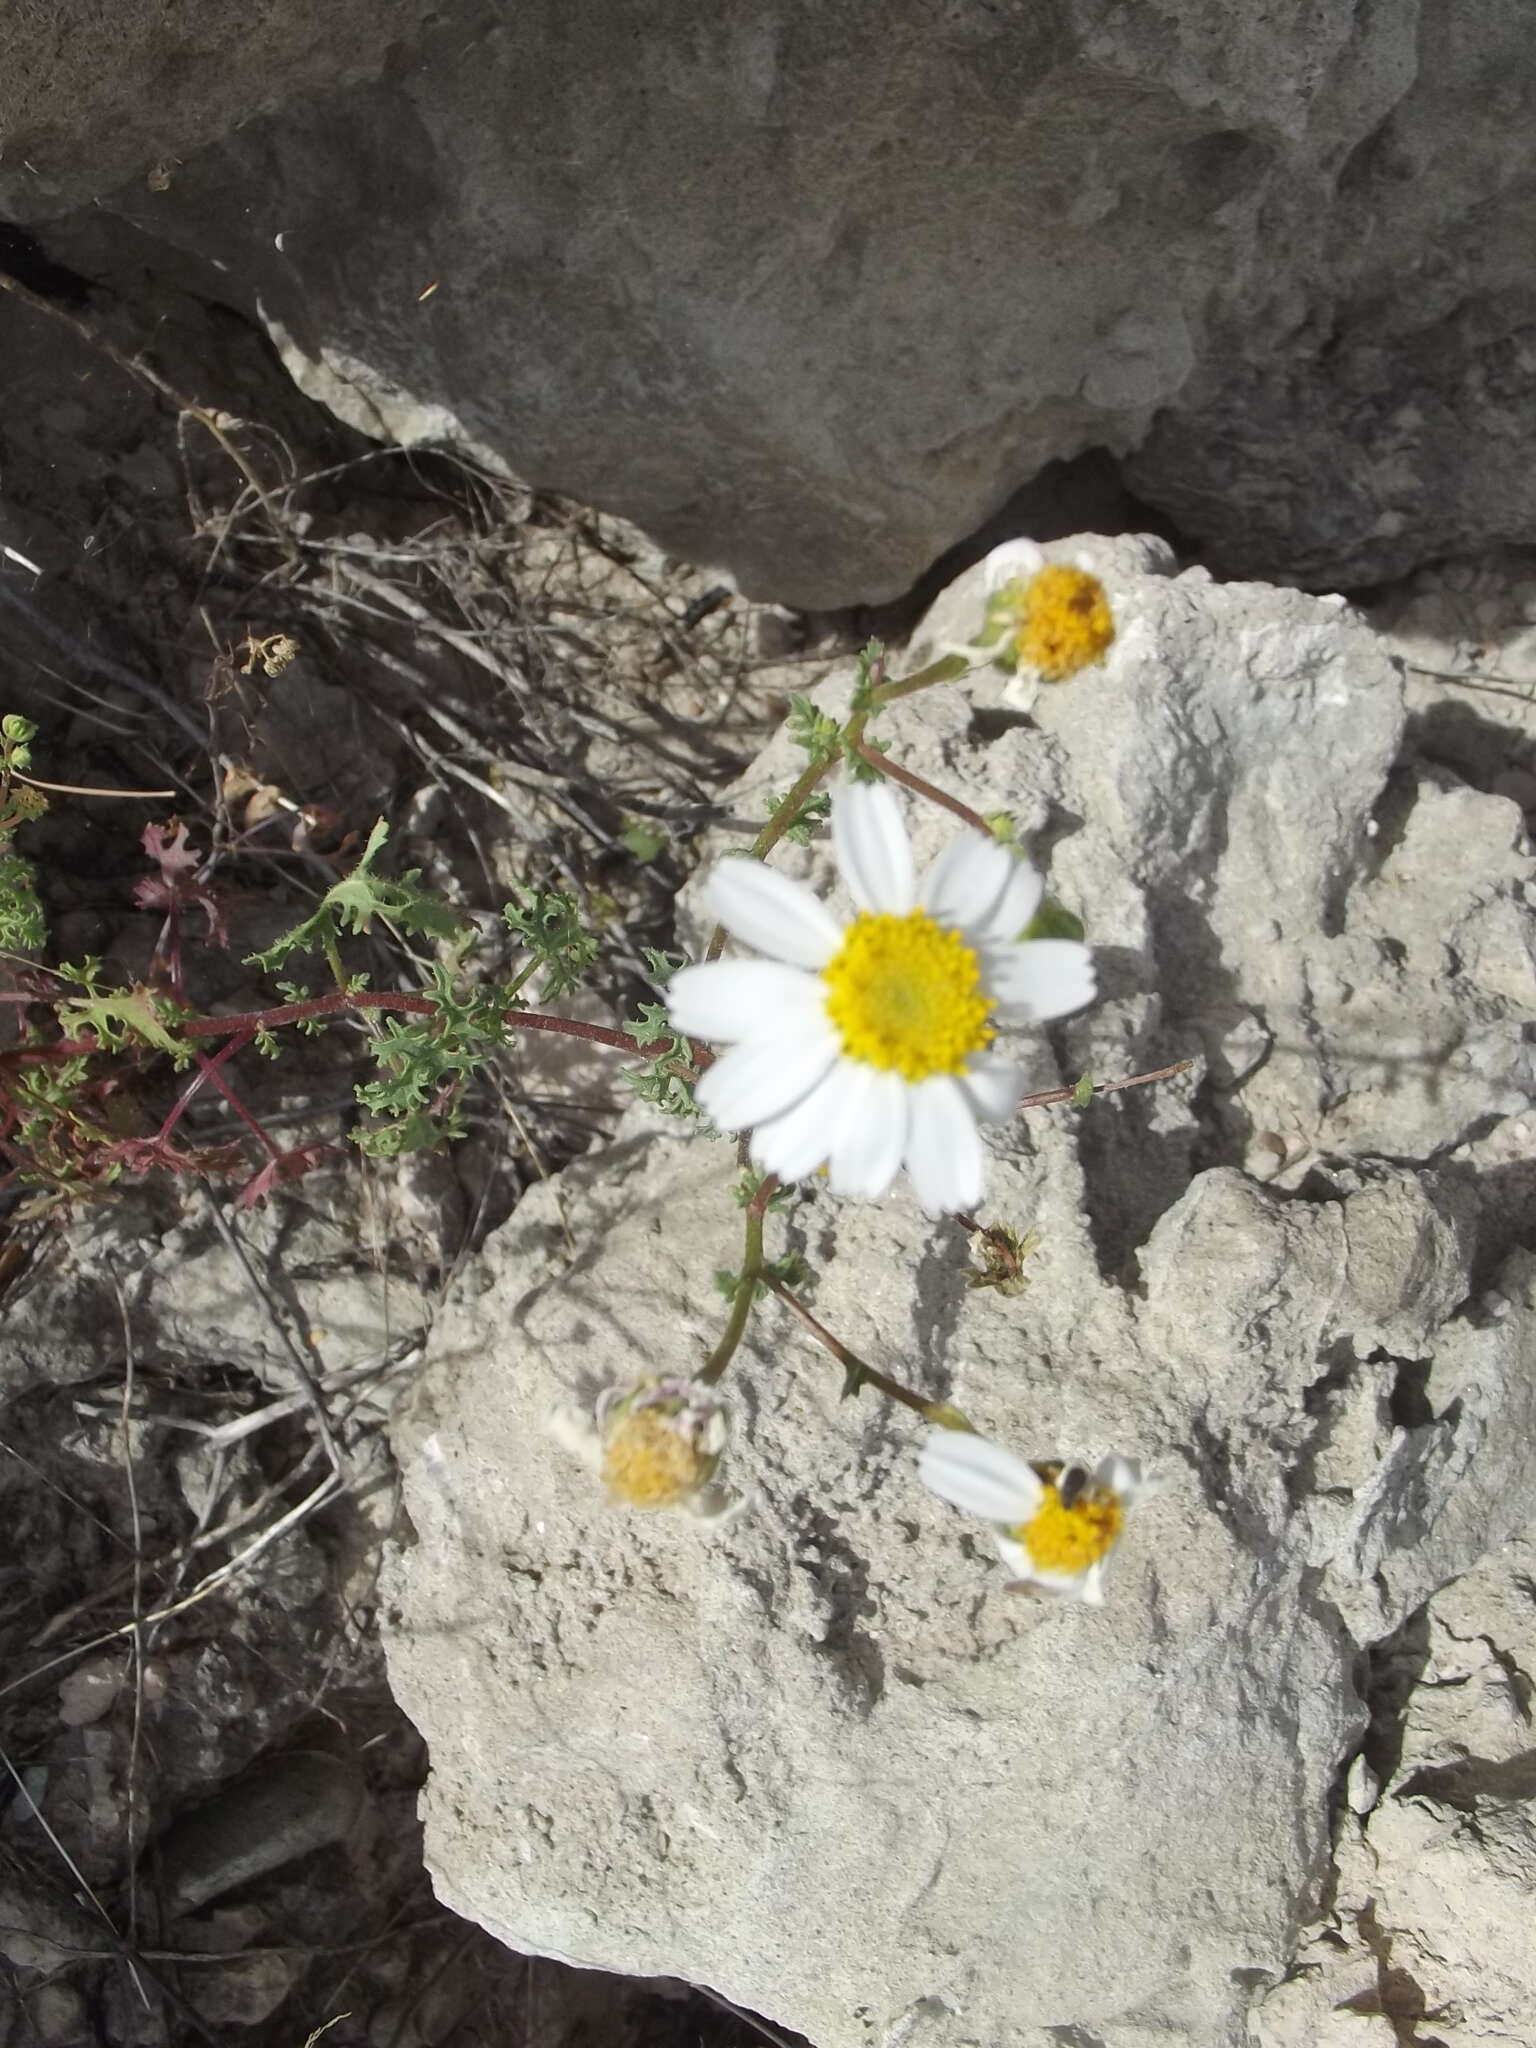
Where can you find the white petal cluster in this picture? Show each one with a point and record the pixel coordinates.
(1054, 1525)
(656, 1444)
(814, 1093)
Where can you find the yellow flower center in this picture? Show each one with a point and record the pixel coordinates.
(648, 1462)
(1062, 622)
(1067, 1537)
(906, 996)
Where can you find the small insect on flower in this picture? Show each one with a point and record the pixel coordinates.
(1046, 619)
(867, 1046)
(1054, 1524)
(656, 1444)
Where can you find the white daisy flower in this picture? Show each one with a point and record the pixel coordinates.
(656, 1444)
(866, 1046)
(1054, 1524)
(1044, 620)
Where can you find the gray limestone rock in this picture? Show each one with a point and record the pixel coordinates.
(1430, 1918)
(812, 292)
(817, 1757)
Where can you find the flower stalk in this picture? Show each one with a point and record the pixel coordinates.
(858, 1372)
(920, 786)
(748, 1281)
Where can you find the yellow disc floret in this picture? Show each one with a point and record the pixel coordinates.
(1061, 622)
(649, 1463)
(1068, 1535)
(905, 995)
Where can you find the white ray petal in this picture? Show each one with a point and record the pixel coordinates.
(993, 1086)
(874, 854)
(575, 1431)
(795, 1144)
(978, 1475)
(761, 1079)
(1120, 1475)
(866, 1150)
(853, 1121)
(1015, 558)
(735, 999)
(771, 913)
(944, 1151)
(965, 883)
(1044, 978)
(1010, 915)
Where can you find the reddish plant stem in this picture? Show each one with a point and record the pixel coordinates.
(1106, 1087)
(599, 1034)
(920, 786)
(859, 1371)
(269, 1144)
(208, 1071)
(341, 1001)
(33, 1055)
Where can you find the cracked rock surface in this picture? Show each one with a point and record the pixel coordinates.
(1429, 1930)
(818, 1758)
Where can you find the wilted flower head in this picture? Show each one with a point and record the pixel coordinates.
(1054, 1524)
(866, 1046)
(1047, 619)
(656, 1444)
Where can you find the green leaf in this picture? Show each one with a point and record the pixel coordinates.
(1082, 1093)
(119, 1018)
(550, 925)
(790, 1270)
(662, 966)
(666, 1079)
(815, 809)
(748, 1183)
(870, 656)
(15, 733)
(943, 1416)
(1001, 1251)
(352, 904)
(860, 770)
(22, 926)
(423, 1065)
(812, 729)
(1053, 921)
(643, 838)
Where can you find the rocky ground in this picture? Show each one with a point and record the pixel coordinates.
(820, 1758)
(207, 1793)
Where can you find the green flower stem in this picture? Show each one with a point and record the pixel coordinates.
(948, 669)
(735, 1329)
(332, 953)
(922, 787)
(859, 1373)
(810, 777)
